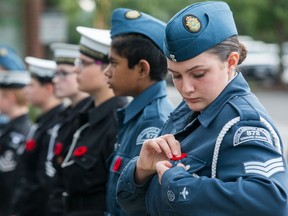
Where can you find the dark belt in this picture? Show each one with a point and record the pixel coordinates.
(84, 202)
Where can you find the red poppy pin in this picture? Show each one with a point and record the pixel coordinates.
(117, 164)
(80, 151)
(30, 145)
(175, 158)
(58, 148)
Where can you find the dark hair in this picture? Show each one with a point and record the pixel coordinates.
(231, 44)
(42, 80)
(135, 47)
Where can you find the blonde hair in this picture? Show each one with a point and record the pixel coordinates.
(21, 99)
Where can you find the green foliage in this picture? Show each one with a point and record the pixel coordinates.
(76, 17)
(257, 18)
(260, 19)
(34, 113)
(264, 20)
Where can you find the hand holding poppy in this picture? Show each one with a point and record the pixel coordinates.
(153, 151)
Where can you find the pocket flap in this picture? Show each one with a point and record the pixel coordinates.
(86, 161)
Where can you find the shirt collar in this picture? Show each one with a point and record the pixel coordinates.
(102, 111)
(155, 91)
(237, 85)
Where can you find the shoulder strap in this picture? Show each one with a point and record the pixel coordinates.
(244, 109)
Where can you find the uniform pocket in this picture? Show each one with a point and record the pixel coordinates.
(86, 161)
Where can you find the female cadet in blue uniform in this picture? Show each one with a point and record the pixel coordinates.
(138, 69)
(66, 87)
(32, 196)
(14, 104)
(85, 168)
(227, 147)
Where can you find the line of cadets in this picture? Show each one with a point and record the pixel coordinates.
(62, 162)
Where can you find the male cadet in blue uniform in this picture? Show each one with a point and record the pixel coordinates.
(137, 68)
(66, 87)
(85, 169)
(223, 155)
(9, 61)
(31, 198)
(13, 103)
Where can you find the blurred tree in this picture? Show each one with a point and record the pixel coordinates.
(263, 20)
(76, 17)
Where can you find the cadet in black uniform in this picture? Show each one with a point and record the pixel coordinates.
(85, 168)
(66, 86)
(32, 197)
(13, 103)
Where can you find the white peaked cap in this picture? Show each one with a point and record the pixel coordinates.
(15, 79)
(41, 67)
(65, 53)
(94, 41)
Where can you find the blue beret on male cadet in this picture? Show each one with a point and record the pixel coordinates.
(9, 60)
(197, 28)
(125, 21)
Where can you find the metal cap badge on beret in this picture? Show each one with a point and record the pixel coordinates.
(95, 43)
(65, 53)
(197, 28)
(9, 60)
(41, 68)
(17, 79)
(125, 21)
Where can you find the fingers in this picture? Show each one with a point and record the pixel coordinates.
(155, 150)
(186, 167)
(161, 168)
(152, 144)
(170, 145)
(166, 143)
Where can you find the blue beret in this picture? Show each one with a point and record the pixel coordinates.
(9, 60)
(125, 21)
(197, 28)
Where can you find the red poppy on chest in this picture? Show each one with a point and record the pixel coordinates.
(117, 164)
(58, 148)
(30, 145)
(80, 151)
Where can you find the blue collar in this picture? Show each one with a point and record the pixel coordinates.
(237, 87)
(155, 91)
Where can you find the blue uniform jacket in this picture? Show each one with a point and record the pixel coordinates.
(142, 119)
(235, 159)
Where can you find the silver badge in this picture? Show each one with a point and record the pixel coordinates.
(173, 58)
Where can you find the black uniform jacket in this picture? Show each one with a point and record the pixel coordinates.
(12, 140)
(85, 168)
(32, 196)
(66, 128)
